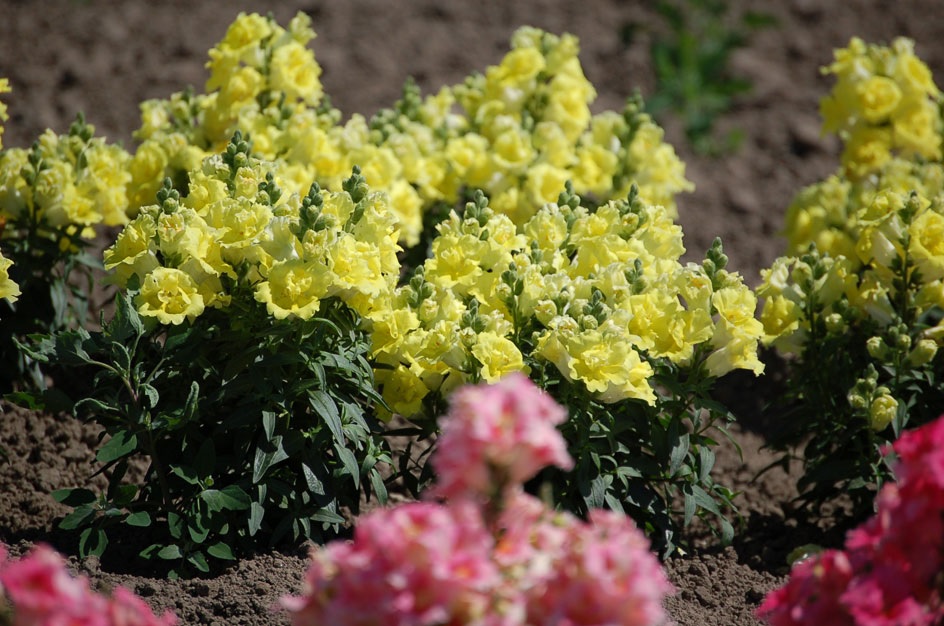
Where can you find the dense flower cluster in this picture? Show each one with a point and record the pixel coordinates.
(595, 292)
(890, 572)
(884, 102)
(65, 184)
(41, 591)
(235, 235)
(503, 560)
(518, 131)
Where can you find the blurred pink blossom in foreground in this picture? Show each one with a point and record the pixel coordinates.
(490, 555)
(43, 593)
(891, 572)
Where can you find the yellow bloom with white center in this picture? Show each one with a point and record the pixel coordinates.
(294, 72)
(9, 290)
(292, 288)
(498, 356)
(170, 295)
(547, 228)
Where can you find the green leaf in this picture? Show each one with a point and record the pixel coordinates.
(377, 484)
(327, 516)
(124, 494)
(706, 457)
(256, 513)
(231, 498)
(221, 551)
(126, 322)
(268, 424)
(185, 473)
(175, 525)
(77, 518)
(149, 392)
(350, 463)
(678, 453)
(190, 408)
(705, 501)
(170, 552)
(325, 407)
(121, 444)
(74, 497)
(267, 454)
(92, 542)
(141, 519)
(315, 486)
(690, 505)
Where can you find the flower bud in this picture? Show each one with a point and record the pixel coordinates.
(834, 323)
(877, 348)
(857, 401)
(883, 410)
(923, 352)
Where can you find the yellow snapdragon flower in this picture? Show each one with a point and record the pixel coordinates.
(170, 295)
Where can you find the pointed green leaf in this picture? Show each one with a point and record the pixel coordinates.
(267, 455)
(221, 551)
(77, 518)
(325, 407)
(170, 552)
(74, 497)
(121, 444)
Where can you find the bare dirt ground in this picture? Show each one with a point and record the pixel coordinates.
(103, 57)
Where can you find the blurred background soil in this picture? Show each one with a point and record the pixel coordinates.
(103, 57)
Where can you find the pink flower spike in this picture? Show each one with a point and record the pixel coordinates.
(496, 436)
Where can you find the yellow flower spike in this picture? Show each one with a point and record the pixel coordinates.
(170, 295)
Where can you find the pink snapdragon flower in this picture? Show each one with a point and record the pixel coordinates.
(490, 555)
(43, 593)
(416, 564)
(891, 571)
(498, 435)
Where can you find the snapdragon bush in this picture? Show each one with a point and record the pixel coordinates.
(53, 197)
(859, 300)
(594, 304)
(235, 366)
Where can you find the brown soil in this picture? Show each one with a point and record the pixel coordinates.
(104, 56)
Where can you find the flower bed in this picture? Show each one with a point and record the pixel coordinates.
(708, 593)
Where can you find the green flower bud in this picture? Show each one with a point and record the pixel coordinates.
(877, 348)
(834, 323)
(857, 401)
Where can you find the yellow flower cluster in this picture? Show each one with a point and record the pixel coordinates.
(64, 184)
(894, 233)
(519, 131)
(236, 235)
(598, 293)
(885, 102)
